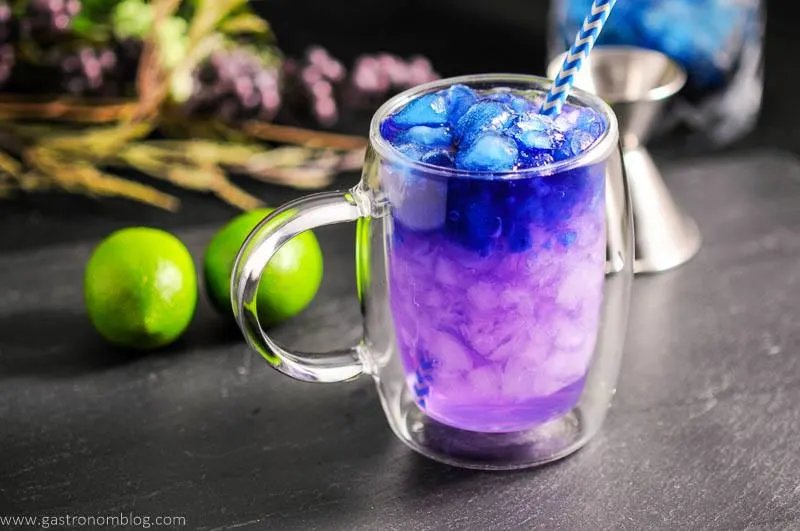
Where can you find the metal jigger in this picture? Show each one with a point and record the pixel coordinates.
(637, 83)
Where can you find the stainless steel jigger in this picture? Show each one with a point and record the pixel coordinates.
(637, 83)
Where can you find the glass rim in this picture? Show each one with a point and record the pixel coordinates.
(599, 151)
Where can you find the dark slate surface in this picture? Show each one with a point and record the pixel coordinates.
(703, 434)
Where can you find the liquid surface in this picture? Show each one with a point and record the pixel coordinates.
(493, 131)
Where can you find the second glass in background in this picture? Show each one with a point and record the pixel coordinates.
(718, 42)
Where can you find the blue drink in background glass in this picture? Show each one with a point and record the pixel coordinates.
(718, 42)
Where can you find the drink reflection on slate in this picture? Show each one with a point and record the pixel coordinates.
(704, 422)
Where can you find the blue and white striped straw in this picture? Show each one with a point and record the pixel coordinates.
(584, 42)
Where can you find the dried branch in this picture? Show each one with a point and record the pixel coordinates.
(283, 157)
(152, 81)
(313, 172)
(304, 137)
(352, 160)
(208, 15)
(235, 196)
(206, 152)
(80, 176)
(301, 178)
(99, 143)
(10, 166)
(33, 182)
(66, 110)
(177, 168)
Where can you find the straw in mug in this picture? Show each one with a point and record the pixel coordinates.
(584, 42)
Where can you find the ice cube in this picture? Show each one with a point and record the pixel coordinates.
(580, 142)
(535, 159)
(534, 122)
(419, 202)
(447, 272)
(544, 269)
(560, 370)
(500, 333)
(485, 382)
(426, 137)
(489, 152)
(449, 389)
(429, 109)
(539, 139)
(591, 122)
(518, 103)
(450, 354)
(484, 116)
(432, 299)
(459, 99)
(481, 333)
(439, 157)
(389, 130)
(536, 132)
(578, 283)
(521, 343)
(515, 296)
(483, 297)
(569, 334)
(510, 267)
(412, 151)
(517, 378)
(588, 315)
(564, 151)
(500, 95)
(567, 119)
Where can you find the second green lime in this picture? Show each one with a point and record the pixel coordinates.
(289, 283)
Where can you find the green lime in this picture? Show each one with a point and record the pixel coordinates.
(140, 288)
(289, 283)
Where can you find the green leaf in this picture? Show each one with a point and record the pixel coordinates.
(99, 6)
(82, 24)
(98, 10)
(90, 30)
(132, 18)
(245, 23)
(171, 41)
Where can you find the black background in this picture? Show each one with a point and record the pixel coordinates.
(703, 433)
(460, 37)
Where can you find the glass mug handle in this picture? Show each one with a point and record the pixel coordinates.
(270, 234)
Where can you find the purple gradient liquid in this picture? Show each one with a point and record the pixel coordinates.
(495, 290)
(496, 274)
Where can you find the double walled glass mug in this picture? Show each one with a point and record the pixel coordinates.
(494, 304)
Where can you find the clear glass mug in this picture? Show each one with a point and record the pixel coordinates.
(494, 306)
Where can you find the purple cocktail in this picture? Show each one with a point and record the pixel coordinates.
(496, 270)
